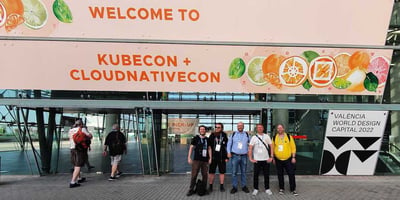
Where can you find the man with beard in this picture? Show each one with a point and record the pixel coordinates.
(218, 141)
(202, 157)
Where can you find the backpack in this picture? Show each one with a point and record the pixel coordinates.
(201, 188)
(80, 139)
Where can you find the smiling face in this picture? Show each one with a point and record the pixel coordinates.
(280, 129)
(202, 130)
(260, 128)
(240, 126)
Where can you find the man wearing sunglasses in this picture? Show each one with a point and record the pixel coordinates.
(218, 140)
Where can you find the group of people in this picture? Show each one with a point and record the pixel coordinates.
(115, 144)
(240, 147)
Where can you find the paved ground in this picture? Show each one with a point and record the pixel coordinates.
(175, 187)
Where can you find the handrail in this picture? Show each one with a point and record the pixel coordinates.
(396, 147)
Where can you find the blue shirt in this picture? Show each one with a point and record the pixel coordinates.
(233, 143)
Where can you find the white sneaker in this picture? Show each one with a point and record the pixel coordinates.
(255, 192)
(268, 191)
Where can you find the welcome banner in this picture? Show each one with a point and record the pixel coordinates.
(359, 22)
(50, 65)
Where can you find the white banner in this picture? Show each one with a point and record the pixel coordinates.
(352, 142)
(181, 126)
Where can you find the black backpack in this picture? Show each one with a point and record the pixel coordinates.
(201, 188)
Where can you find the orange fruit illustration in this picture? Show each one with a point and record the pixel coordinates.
(342, 62)
(379, 66)
(323, 71)
(271, 64)
(293, 71)
(359, 59)
(14, 13)
(273, 79)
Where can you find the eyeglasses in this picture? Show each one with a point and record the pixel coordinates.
(217, 127)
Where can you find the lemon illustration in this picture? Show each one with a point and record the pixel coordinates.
(35, 14)
(341, 83)
(254, 71)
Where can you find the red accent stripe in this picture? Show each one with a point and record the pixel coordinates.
(299, 136)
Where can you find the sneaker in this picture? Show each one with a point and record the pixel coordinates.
(254, 192)
(81, 180)
(190, 193)
(221, 188)
(112, 178)
(118, 174)
(280, 191)
(268, 191)
(72, 185)
(233, 191)
(245, 189)
(295, 193)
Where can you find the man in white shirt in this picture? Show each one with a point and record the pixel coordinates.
(261, 154)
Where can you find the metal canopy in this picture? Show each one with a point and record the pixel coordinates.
(198, 106)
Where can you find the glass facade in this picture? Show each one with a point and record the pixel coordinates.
(34, 132)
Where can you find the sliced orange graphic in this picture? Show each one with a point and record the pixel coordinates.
(3, 15)
(273, 79)
(342, 62)
(293, 71)
(323, 71)
(14, 13)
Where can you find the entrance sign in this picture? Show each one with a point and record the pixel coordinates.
(352, 142)
(269, 21)
(57, 65)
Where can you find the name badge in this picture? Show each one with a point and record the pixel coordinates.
(240, 145)
(217, 147)
(280, 147)
(204, 153)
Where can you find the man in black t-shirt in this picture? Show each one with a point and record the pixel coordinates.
(202, 157)
(218, 140)
(116, 144)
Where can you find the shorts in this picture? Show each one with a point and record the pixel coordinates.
(78, 158)
(221, 167)
(115, 160)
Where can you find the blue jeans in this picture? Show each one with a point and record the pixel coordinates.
(239, 161)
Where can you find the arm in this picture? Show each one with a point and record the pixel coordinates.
(271, 159)
(190, 154)
(293, 148)
(105, 150)
(228, 147)
(209, 153)
(250, 154)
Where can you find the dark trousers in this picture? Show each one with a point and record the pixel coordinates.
(196, 167)
(289, 168)
(261, 166)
